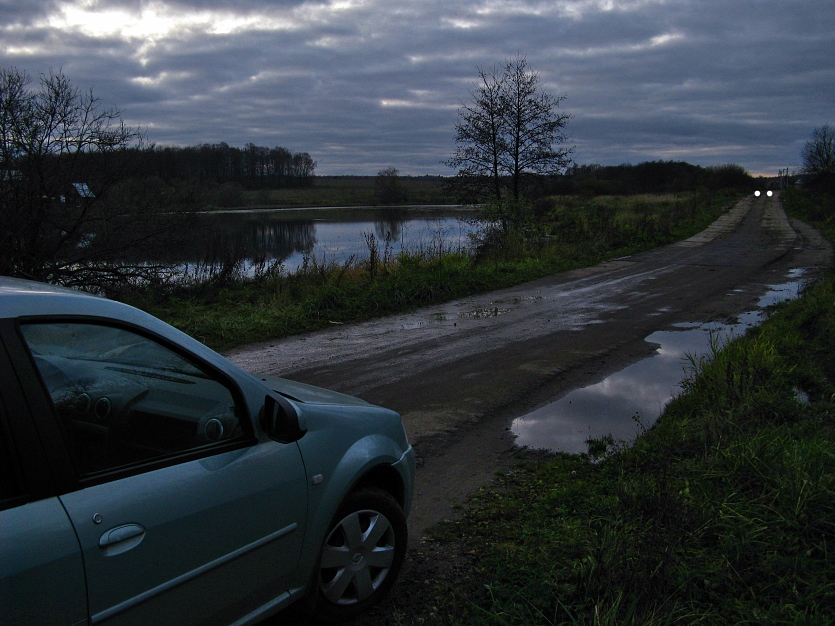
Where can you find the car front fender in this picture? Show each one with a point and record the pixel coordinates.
(366, 455)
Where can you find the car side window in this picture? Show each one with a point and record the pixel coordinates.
(122, 398)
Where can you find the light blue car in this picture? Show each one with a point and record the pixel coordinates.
(144, 479)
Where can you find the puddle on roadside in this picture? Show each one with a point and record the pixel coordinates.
(781, 293)
(446, 317)
(482, 313)
(633, 398)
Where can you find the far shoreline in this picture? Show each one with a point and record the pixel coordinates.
(364, 207)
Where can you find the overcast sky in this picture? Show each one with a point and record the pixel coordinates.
(367, 84)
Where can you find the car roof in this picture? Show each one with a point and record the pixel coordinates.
(21, 285)
(28, 299)
(19, 298)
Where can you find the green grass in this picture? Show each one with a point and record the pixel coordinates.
(722, 513)
(349, 191)
(567, 234)
(818, 209)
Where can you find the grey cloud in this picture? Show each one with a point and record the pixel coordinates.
(231, 6)
(743, 81)
(15, 12)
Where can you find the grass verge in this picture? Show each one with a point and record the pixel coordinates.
(722, 513)
(566, 233)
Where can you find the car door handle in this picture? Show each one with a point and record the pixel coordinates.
(121, 539)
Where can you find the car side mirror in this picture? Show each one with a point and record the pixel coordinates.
(281, 421)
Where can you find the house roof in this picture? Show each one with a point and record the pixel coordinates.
(83, 190)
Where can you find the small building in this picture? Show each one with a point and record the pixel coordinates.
(76, 192)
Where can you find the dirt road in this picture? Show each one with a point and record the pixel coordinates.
(460, 372)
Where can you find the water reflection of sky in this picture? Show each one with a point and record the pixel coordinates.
(277, 237)
(338, 241)
(639, 391)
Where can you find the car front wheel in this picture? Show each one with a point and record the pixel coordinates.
(362, 555)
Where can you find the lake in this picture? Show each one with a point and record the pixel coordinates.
(289, 236)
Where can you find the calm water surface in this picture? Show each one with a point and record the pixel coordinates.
(329, 234)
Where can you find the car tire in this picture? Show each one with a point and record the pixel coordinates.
(361, 556)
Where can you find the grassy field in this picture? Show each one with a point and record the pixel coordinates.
(722, 513)
(565, 233)
(349, 191)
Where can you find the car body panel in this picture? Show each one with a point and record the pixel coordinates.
(199, 511)
(230, 535)
(310, 394)
(41, 570)
(359, 455)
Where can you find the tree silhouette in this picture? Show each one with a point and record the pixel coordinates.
(510, 129)
(819, 158)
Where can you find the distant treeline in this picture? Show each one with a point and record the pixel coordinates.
(649, 177)
(253, 167)
(620, 180)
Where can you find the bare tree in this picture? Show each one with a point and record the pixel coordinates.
(533, 128)
(510, 129)
(67, 213)
(819, 158)
(479, 135)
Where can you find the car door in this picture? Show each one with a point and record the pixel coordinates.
(41, 570)
(183, 516)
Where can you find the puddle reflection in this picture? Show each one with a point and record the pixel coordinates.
(639, 392)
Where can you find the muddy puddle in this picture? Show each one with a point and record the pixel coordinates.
(632, 399)
(449, 317)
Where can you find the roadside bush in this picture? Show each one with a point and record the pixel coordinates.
(728, 176)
